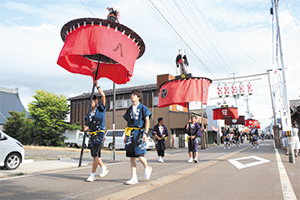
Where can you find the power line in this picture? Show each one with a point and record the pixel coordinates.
(210, 50)
(180, 37)
(190, 36)
(233, 42)
(291, 14)
(87, 8)
(213, 36)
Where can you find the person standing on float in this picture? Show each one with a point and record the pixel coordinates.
(138, 121)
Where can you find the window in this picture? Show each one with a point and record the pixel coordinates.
(118, 133)
(121, 103)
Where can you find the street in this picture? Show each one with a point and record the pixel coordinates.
(236, 173)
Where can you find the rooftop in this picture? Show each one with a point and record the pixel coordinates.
(127, 90)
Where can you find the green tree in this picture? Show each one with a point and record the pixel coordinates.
(49, 112)
(15, 124)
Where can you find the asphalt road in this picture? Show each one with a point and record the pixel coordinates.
(254, 175)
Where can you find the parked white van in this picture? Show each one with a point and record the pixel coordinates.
(120, 135)
(11, 152)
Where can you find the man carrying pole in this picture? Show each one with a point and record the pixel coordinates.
(96, 125)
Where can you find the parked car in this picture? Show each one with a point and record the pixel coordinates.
(74, 138)
(11, 152)
(119, 140)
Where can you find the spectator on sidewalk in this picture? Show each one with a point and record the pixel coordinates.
(295, 138)
(160, 133)
(284, 140)
(138, 121)
(193, 133)
(96, 127)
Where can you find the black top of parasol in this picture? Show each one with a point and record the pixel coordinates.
(73, 24)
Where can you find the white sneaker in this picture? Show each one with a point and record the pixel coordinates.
(161, 160)
(253, 148)
(148, 172)
(104, 171)
(91, 178)
(224, 147)
(132, 181)
(257, 147)
(195, 160)
(190, 160)
(228, 147)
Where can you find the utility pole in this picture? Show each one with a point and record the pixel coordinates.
(114, 127)
(275, 127)
(285, 97)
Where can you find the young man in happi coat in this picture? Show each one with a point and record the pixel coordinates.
(138, 121)
(160, 132)
(194, 132)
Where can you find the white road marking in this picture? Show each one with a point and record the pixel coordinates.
(287, 189)
(239, 165)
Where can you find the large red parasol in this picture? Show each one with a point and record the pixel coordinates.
(184, 90)
(89, 41)
(252, 122)
(226, 112)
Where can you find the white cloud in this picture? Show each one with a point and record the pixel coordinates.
(48, 28)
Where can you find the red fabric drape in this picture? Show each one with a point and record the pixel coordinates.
(182, 91)
(90, 40)
(222, 113)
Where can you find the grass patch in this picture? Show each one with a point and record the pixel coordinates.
(21, 173)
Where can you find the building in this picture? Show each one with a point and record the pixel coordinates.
(9, 101)
(175, 117)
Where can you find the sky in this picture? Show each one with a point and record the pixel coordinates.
(222, 39)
